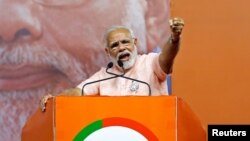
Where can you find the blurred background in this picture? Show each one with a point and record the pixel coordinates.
(212, 69)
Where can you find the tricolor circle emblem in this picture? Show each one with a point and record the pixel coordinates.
(115, 128)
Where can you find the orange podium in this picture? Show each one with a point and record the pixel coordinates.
(155, 118)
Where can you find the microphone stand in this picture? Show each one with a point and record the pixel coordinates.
(110, 65)
(97, 81)
(122, 75)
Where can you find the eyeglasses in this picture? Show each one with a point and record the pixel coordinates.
(125, 42)
(60, 2)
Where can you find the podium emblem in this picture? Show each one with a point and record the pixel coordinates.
(115, 128)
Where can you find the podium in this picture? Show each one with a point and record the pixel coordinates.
(155, 118)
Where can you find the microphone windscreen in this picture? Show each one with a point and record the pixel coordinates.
(120, 63)
(110, 65)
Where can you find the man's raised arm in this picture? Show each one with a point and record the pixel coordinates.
(170, 49)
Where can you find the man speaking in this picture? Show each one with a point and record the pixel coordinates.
(121, 45)
(130, 69)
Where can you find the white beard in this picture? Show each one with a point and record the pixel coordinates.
(126, 64)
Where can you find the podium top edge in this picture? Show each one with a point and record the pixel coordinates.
(120, 97)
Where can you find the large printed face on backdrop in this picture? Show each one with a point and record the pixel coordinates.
(55, 44)
(47, 46)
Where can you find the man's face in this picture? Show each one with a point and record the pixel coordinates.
(121, 46)
(48, 46)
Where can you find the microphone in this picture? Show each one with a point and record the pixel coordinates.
(108, 67)
(120, 63)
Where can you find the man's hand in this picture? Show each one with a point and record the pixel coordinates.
(43, 101)
(176, 25)
(67, 92)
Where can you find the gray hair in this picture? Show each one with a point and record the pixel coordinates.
(116, 27)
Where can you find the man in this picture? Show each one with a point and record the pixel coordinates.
(47, 46)
(121, 45)
(150, 69)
